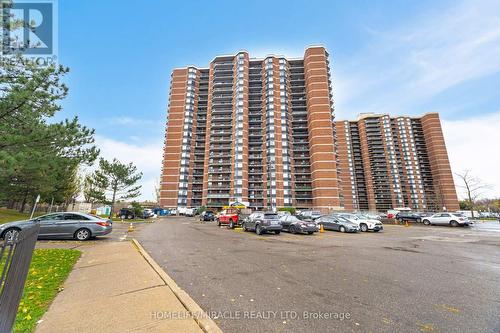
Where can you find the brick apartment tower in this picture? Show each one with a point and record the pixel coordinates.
(252, 130)
(394, 162)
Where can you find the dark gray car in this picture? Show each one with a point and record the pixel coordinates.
(261, 222)
(337, 223)
(294, 225)
(61, 225)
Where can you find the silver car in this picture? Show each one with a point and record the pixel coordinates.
(452, 219)
(79, 226)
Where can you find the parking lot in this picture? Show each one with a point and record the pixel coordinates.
(404, 279)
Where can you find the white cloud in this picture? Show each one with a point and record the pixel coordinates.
(129, 121)
(146, 156)
(420, 59)
(473, 145)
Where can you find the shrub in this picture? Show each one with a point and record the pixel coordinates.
(291, 210)
(200, 210)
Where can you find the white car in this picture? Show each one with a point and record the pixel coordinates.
(364, 223)
(452, 219)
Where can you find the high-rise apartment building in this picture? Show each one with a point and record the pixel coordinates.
(394, 162)
(252, 130)
(262, 132)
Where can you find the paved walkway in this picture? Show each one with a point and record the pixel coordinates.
(112, 288)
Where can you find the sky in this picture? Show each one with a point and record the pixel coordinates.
(396, 57)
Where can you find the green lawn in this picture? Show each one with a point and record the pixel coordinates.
(48, 271)
(9, 215)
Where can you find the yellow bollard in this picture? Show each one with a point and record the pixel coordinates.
(406, 224)
(321, 229)
(130, 227)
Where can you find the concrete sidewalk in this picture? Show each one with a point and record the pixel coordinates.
(112, 288)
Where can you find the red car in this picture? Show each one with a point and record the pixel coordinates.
(228, 217)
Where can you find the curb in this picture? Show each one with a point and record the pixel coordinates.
(201, 318)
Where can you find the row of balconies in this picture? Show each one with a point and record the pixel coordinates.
(220, 147)
(219, 171)
(220, 162)
(218, 195)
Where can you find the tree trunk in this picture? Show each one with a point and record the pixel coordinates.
(471, 206)
(23, 203)
(11, 204)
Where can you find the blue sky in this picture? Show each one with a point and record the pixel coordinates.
(393, 57)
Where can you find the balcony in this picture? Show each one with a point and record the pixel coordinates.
(218, 195)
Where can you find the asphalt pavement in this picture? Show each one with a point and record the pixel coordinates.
(404, 279)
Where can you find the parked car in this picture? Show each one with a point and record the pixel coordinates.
(147, 213)
(262, 222)
(391, 213)
(126, 213)
(207, 215)
(364, 223)
(452, 219)
(309, 215)
(337, 223)
(372, 216)
(294, 225)
(228, 217)
(61, 225)
(408, 216)
(190, 212)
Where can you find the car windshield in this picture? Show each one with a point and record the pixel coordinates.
(271, 216)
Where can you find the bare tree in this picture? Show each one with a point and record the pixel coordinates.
(473, 188)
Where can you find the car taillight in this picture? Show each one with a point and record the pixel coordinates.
(103, 224)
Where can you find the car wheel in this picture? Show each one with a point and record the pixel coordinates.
(454, 223)
(419, 220)
(82, 234)
(310, 232)
(129, 217)
(277, 232)
(258, 230)
(400, 220)
(123, 217)
(231, 224)
(427, 222)
(364, 227)
(291, 229)
(218, 222)
(10, 235)
(244, 227)
(342, 229)
(376, 230)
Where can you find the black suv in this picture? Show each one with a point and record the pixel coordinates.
(126, 213)
(408, 216)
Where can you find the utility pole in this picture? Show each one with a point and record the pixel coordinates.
(51, 204)
(34, 206)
